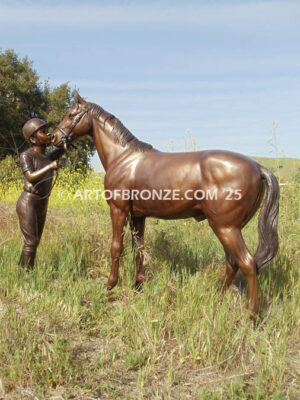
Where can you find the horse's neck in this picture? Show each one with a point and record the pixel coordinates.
(106, 146)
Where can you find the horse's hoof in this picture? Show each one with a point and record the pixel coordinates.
(111, 283)
(139, 282)
(26, 268)
(138, 286)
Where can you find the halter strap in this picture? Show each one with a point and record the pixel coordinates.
(66, 132)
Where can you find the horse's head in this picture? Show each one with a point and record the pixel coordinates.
(73, 125)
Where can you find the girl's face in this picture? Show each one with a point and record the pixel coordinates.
(42, 137)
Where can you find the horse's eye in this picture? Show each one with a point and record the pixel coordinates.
(71, 115)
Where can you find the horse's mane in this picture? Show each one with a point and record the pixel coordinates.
(121, 134)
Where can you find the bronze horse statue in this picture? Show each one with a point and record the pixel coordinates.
(133, 166)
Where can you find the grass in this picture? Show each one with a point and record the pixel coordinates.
(63, 336)
(283, 167)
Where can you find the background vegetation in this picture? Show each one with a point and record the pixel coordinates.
(63, 336)
(23, 96)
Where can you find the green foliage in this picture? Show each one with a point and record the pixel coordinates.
(297, 177)
(58, 102)
(11, 176)
(23, 96)
(9, 171)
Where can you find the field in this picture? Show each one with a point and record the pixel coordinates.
(63, 336)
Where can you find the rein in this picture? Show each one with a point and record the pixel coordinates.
(50, 190)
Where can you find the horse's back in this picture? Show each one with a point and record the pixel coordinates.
(213, 166)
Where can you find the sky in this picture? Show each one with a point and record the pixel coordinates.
(225, 73)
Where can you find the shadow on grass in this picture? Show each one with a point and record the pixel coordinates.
(182, 256)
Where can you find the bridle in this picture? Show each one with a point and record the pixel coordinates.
(66, 132)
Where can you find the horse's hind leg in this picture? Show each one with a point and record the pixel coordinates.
(233, 243)
(231, 270)
(137, 231)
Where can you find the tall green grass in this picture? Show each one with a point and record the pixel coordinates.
(62, 334)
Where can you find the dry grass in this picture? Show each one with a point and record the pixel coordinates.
(63, 336)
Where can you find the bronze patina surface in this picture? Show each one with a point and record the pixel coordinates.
(37, 167)
(135, 166)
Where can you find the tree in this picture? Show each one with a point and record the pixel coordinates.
(23, 96)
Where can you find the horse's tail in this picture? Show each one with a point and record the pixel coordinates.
(267, 222)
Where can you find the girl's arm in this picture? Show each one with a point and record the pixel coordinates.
(36, 175)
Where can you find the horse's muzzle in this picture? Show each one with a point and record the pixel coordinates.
(56, 141)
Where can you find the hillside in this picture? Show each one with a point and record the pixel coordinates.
(284, 168)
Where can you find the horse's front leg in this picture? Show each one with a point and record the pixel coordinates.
(118, 218)
(137, 231)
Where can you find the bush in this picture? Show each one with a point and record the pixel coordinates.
(11, 176)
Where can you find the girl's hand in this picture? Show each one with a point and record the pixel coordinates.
(54, 165)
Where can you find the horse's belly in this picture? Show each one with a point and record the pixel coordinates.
(169, 211)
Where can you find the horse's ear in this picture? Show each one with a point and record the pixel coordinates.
(79, 99)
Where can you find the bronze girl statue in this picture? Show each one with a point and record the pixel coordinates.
(37, 167)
